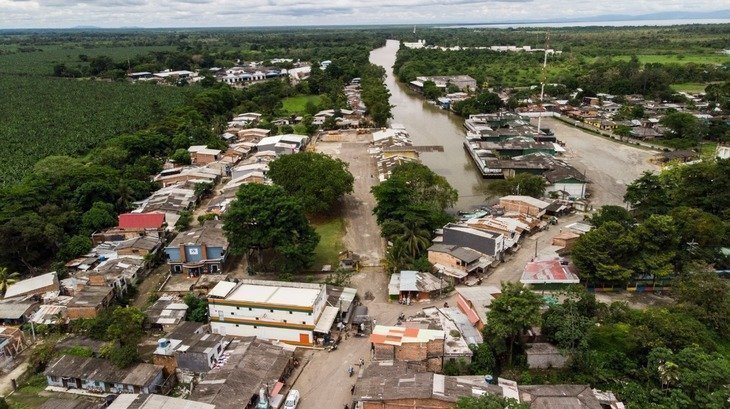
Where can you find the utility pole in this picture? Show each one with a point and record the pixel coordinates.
(535, 249)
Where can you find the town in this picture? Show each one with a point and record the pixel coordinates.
(289, 237)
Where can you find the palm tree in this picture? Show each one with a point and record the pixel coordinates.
(415, 238)
(395, 257)
(7, 278)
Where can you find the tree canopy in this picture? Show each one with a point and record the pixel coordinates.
(267, 218)
(521, 184)
(317, 180)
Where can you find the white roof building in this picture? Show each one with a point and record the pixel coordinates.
(34, 285)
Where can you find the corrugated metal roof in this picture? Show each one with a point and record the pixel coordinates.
(31, 284)
(141, 220)
(408, 280)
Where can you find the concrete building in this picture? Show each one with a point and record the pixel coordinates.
(200, 250)
(463, 82)
(201, 155)
(549, 272)
(422, 348)
(283, 144)
(89, 301)
(190, 349)
(272, 310)
(137, 401)
(457, 262)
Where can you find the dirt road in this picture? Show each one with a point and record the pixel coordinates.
(609, 165)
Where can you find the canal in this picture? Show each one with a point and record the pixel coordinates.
(429, 125)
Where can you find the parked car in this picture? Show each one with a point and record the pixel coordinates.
(292, 399)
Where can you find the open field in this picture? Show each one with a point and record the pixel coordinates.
(298, 104)
(330, 241)
(44, 116)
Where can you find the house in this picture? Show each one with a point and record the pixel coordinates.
(396, 385)
(524, 204)
(201, 250)
(422, 348)
(679, 155)
(475, 302)
(118, 273)
(195, 175)
(55, 403)
(17, 311)
(250, 365)
(97, 375)
(463, 82)
(566, 239)
(12, 343)
(512, 230)
(132, 225)
(455, 325)
(283, 144)
(139, 246)
(166, 313)
(271, 310)
(543, 355)
(170, 200)
(37, 285)
(154, 401)
(549, 272)
(409, 286)
(457, 262)
(189, 348)
(252, 134)
(456, 234)
(89, 301)
(201, 155)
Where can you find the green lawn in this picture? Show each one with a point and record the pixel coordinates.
(677, 58)
(27, 396)
(689, 87)
(707, 149)
(330, 242)
(298, 104)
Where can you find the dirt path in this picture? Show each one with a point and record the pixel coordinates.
(362, 234)
(609, 165)
(6, 380)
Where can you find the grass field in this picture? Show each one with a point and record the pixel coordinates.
(27, 396)
(44, 116)
(689, 87)
(330, 242)
(298, 104)
(677, 58)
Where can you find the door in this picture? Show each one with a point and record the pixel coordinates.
(304, 338)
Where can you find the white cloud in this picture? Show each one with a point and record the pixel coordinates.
(202, 13)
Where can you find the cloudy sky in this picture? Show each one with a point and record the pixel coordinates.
(237, 13)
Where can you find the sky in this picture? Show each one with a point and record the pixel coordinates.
(243, 13)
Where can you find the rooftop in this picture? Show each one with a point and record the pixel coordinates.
(269, 292)
(549, 271)
(153, 401)
(464, 254)
(141, 220)
(32, 285)
(526, 199)
(248, 365)
(102, 370)
(210, 233)
(399, 335)
(90, 296)
(167, 310)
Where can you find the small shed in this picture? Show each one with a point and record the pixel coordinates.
(410, 285)
(566, 239)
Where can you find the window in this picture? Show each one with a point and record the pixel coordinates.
(291, 312)
(271, 310)
(231, 312)
(236, 324)
(255, 327)
(249, 308)
(238, 308)
(257, 318)
(309, 313)
(285, 321)
(304, 322)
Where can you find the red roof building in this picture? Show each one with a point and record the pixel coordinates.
(549, 272)
(141, 221)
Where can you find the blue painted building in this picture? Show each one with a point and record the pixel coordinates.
(201, 250)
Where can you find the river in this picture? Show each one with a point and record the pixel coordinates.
(430, 125)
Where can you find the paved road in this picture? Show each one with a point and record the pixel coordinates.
(609, 165)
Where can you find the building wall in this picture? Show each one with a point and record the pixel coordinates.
(168, 362)
(521, 207)
(275, 315)
(486, 245)
(576, 190)
(82, 312)
(290, 335)
(444, 259)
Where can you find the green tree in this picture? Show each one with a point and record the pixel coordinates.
(604, 254)
(705, 296)
(521, 184)
(41, 356)
(515, 311)
(125, 326)
(647, 196)
(197, 308)
(611, 213)
(657, 240)
(183, 222)
(100, 216)
(683, 125)
(181, 157)
(75, 246)
(266, 217)
(6, 279)
(317, 180)
(431, 91)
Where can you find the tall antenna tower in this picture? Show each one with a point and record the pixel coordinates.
(543, 79)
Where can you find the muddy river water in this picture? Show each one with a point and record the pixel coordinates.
(429, 125)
